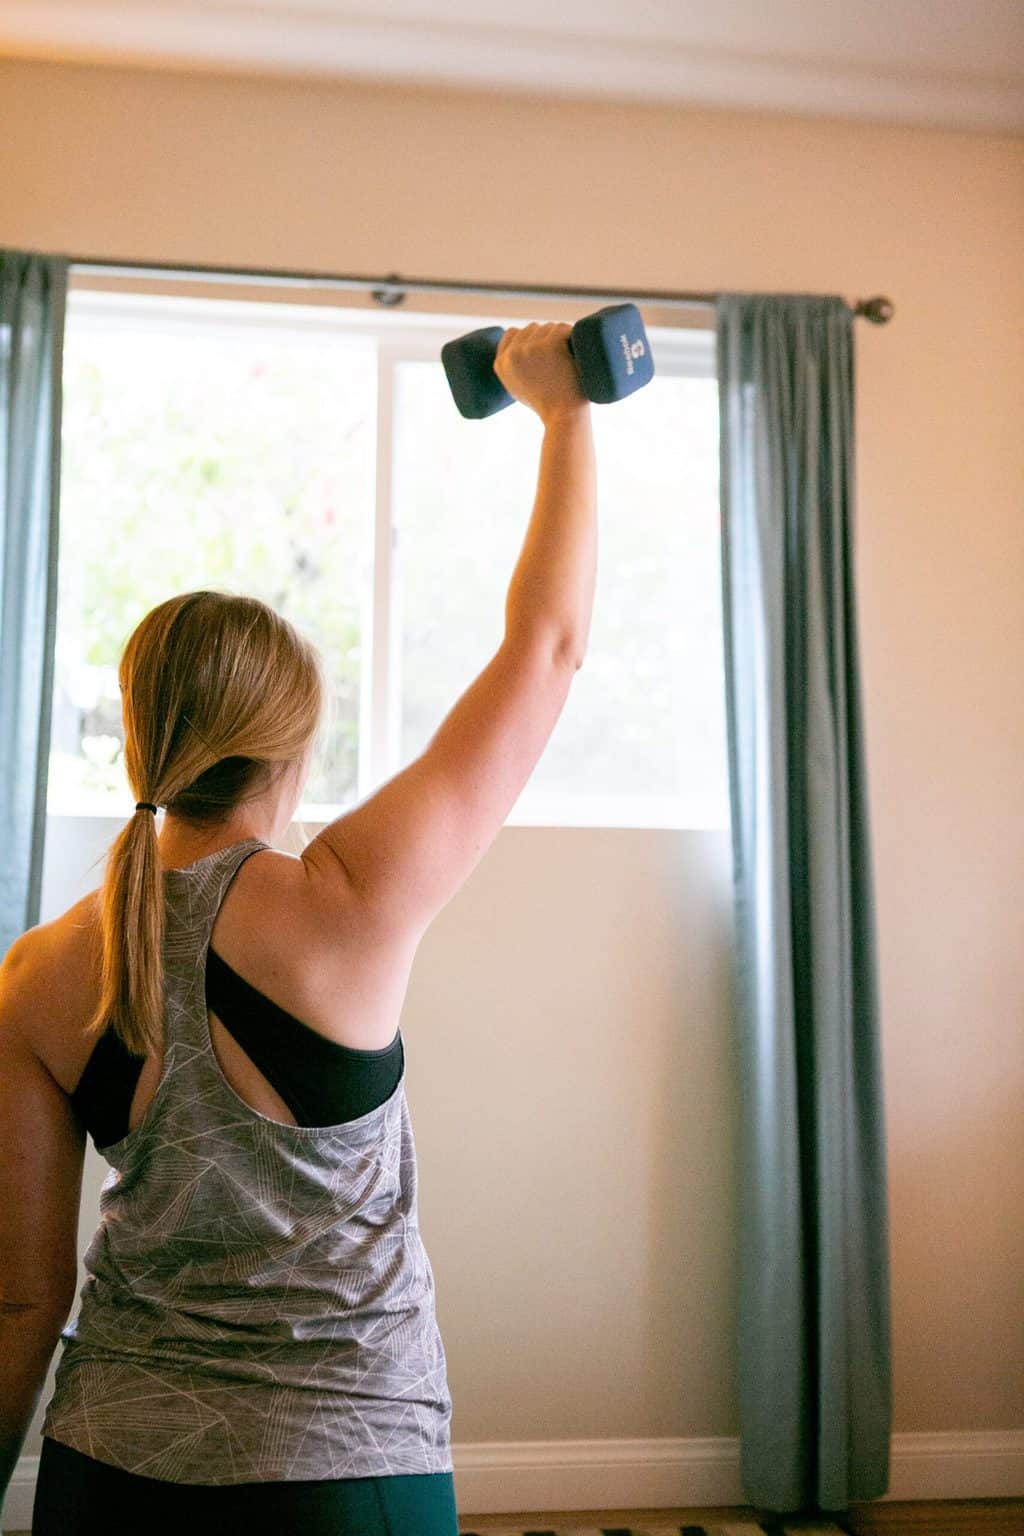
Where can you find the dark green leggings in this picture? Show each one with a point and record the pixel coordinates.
(79, 1496)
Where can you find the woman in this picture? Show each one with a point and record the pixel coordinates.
(256, 1345)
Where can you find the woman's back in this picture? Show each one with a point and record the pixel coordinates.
(337, 972)
(258, 1303)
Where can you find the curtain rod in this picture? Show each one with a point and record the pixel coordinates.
(391, 290)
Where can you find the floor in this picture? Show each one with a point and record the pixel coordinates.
(945, 1517)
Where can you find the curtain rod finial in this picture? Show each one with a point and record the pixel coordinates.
(878, 310)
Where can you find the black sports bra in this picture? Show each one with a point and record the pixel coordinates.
(322, 1082)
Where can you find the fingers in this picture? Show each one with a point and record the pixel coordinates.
(530, 332)
(503, 343)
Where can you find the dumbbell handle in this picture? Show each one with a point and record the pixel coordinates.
(610, 350)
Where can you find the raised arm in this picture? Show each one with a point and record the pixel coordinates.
(407, 848)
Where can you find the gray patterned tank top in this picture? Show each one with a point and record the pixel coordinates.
(258, 1303)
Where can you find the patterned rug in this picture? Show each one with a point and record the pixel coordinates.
(769, 1527)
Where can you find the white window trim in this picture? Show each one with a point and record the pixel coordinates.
(683, 351)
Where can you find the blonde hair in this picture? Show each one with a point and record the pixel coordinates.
(215, 690)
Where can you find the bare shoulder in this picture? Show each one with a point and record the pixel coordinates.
(49, 981)
(297, 903)
(57, 955)
(297, 929)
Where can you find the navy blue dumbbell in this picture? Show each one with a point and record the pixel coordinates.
(610, 349)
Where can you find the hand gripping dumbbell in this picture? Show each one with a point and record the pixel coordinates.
(610, 349)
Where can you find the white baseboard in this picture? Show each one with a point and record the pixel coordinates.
(503, 1477)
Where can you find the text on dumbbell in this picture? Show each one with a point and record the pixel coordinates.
(629, 351)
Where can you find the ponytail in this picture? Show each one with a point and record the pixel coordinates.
(132, 927)
(219, 694)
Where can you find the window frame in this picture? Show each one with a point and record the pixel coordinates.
(684, 350)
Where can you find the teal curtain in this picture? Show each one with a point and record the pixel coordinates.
(33, 292)
(813, 1344)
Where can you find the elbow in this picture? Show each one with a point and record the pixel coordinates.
(570, 653)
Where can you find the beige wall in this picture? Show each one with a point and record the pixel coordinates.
(567, 1023)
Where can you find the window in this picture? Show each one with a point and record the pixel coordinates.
(313, 456)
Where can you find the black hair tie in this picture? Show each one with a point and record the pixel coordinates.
(144, 805)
